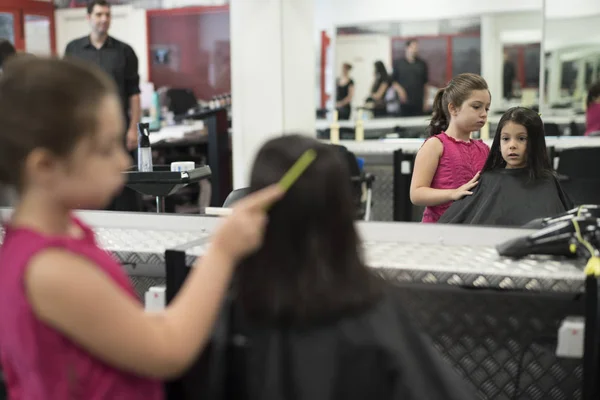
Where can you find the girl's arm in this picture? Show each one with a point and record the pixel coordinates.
(378, 95)
(74, 296)
(426, 163)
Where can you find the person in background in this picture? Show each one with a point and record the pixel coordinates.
(410, 78)
(120, 61)
(72, 324)
(592, 113)
(309, 319)
(344, 93)
(508, 77)
(518, 184)
(379, 89)
(448, 164)
(6, 51)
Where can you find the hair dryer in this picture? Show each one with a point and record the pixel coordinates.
(577, 236)
(586, 210)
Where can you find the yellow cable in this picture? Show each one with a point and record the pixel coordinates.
(580, 238)
(593, 267)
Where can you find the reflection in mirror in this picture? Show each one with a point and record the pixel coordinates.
(505, 48)
(572, 47)
(396, 68)
(387, 74)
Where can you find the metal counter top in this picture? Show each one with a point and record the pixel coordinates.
(405, 252)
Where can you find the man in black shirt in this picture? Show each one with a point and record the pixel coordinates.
(120, 61)
(509, 75)
(410, 81)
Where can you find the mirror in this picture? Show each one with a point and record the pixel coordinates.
(572, 65)
(396, 68)
(387, 74)
(503, 47)
(517, 50)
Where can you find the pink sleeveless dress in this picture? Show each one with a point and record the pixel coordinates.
(40, 363)
(460, 161)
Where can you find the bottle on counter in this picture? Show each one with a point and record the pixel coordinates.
(334, 129)
(144, 148)
(155, 112)
(359, 129)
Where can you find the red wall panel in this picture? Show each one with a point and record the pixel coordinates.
(199, 51)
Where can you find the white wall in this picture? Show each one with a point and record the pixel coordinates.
(571, 8)
(272, 75)
(569, 32)
(332, 13)
(128, 25)
(194, 3)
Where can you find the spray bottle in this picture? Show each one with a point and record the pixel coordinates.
(144, 149)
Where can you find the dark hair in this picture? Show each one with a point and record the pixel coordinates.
(538, 162)
(93, 3)
(310, 266)
(410, 41)
(46, 103)
(347, 66)
(6, 50)
(456, 92)
(593, 93)
(382, 76)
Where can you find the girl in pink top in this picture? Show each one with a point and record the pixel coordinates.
(447, 166)
(72, 327)
(592, 114)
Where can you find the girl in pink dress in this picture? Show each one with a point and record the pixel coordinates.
(72, 326)
(448, 164)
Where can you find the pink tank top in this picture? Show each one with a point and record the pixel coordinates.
(460, 161)
(592, 119)
(39, 362)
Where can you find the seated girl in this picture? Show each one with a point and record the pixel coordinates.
(309, 318)
(517, 183)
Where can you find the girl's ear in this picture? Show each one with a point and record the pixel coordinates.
(452, 109)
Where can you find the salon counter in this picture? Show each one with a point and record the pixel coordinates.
(404, 252)
(559, 118)
(493, 318)
(412, 146)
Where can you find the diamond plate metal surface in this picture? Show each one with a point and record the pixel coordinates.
(141, 284)
(499, 341)
(383, 192)
(470, 266)
(473, 266)
(488, 335)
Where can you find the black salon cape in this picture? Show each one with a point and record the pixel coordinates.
(508, 197)
(377, 354)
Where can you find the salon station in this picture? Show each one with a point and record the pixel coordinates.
(511, 308)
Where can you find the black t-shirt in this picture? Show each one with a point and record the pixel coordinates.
(116, 58)
(412, 77)
(342, 90)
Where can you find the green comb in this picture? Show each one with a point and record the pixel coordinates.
(297, 169)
